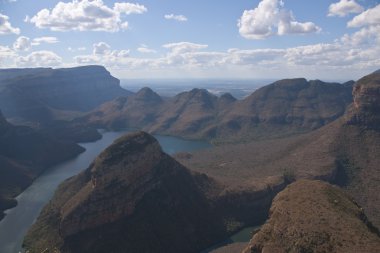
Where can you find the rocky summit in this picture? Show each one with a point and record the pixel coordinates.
(313, 216)
(133, 198)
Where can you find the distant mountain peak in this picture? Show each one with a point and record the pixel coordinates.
(147, 93)
(228, 96)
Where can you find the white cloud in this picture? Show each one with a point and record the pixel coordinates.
(102, 54)
(270, 18)
(101, 48)
(145, 50)
(183, 47)
(129, 8)
(344, 8)
(6, 27)
(85, 15)
(22, 43)
(39, 59)
(48, 40)
(369, 17)
(180, 18)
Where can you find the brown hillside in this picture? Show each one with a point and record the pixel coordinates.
(313, 216)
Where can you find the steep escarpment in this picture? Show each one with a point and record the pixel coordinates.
(313, 216)
(24, 154)
(135, 198)
(279, 109)
(357, 146)
(366, 104)
(42, 95)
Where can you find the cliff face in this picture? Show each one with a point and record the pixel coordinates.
(24, 154)
(366, 107)
(40, 94)
(134, 197)
(284, 107)
(312, 216)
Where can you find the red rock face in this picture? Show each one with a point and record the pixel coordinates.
(366, 106)
(367, 97)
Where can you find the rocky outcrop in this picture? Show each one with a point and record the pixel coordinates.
(313, 216)
(25, 154)
(41, 95)
(366, 106)
(135, 198)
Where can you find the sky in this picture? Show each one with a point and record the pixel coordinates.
(236, 39)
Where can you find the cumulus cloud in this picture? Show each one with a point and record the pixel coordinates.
(270, 18)
(22, 43)
(101, 48)
(102, 54)
(48, 40)
(180, 18)
(344, 8)
(85, 15)
(39, 59)
(6, 27)
(369, 17)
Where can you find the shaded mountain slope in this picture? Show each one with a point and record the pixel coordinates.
(282, 108)
(313, 216)
(24, 154)
(40, 95)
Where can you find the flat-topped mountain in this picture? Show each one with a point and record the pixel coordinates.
(282, 108)
(24, 154)
(135, 198)
(313, 216)
(44, 94)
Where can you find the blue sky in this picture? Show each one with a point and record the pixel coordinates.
(326, 39)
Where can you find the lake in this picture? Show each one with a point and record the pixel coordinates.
(30, 203)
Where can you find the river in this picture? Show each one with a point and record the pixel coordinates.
(30, 202)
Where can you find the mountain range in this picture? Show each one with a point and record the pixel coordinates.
(282, 108)
(133, 188)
